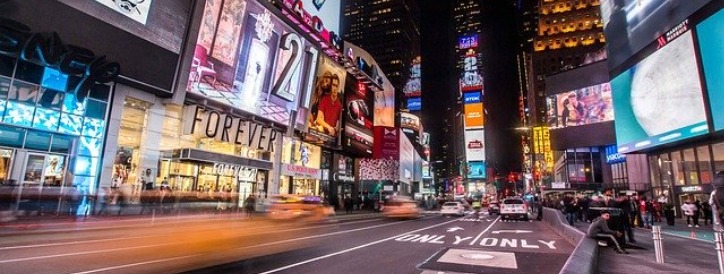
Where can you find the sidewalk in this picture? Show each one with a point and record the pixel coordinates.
(681, 254)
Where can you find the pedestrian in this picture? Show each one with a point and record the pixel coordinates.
(249, 205)
(348, 204)
(625, 206)
(569, 208)
(646, 210)
(540, 210)
(103, 199)
(706, 213)
(585, 209)
(634, 211)
(688, 208)
(697, 212)
(599, 230)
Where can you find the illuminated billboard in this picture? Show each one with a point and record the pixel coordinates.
(135, 9)
(413, 87)
(252, 63)
(410, 121)
(414, 104)
(327, 104)
(476, 170)
(471, 79)
(466, 42)
(472, 97)
(358, 123)
(580, 107)
(711, 39)
(656, 102)
(474, 116)
(631, 25)
(475, 145)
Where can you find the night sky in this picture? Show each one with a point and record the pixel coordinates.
(499, 44)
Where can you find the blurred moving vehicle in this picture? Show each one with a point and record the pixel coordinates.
(400, 207)
(453, 208)
(514, 207)
(494, 208)
(299, 208)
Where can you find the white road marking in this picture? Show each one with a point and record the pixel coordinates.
(453, 229)
(512, 231)
(136, 264)
(353, 248)
(486, 230)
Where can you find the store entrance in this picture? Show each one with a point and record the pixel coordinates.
(691, 197)
(42, 185)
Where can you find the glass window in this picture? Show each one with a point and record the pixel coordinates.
(689, 163)
(24, 92)
(664, 163)
(7, 65)
(51, 99)
(70, 105)
(4, 87)
(46, 119)
(704, 160)
(718, 156)
(11, 136)
(19, 114)
(100, 92)
(29, 72)
(655, 171)
(71, 124)
(95, 109)
(61, 143)
(37, 140)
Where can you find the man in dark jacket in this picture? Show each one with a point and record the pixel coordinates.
(599, 230)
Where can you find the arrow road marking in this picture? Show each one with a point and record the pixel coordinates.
(453, 229)
(512, 231)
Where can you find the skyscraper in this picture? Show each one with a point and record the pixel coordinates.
(387, 29)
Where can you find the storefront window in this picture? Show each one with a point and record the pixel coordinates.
(718, 150)
(703, 155)
(678, 165)
(654, 170)
(689, 164)
(664, 164)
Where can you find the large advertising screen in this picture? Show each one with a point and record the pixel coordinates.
(385, 107)
(711, 39)
(656, 102)
(327, 11)
(249, 60)
(475, 145)
(358, 126)
(327, 102)
(466, 42)
(476, 170)
(474, 116)
(414, 104)
(410, 121)
(580, 107)
(471, 79)
(413, 87)
(631, 25)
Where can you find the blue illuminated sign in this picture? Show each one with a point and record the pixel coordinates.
(476, 170)
(612, 155)
(414, 104)
(54, 79)
(472, 97)
(466, 42)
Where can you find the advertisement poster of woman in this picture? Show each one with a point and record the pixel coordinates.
(327, 99)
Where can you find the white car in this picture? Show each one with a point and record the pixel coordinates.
(513, 208)
(452, 208)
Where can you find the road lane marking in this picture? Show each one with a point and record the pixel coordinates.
(486, 230)
(453, 229)
(353, 248)
(136, 264)
(79, 253)
(458, 239)
(512, 231)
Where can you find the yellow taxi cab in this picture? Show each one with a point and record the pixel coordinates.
(401, 207)
(297, 207)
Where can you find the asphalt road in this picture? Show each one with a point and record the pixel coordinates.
(434, 244)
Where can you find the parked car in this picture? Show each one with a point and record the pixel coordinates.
(514, 208)
(493, 208)
(453, 208)
(401, 208)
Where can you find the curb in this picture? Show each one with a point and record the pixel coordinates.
(584, 258)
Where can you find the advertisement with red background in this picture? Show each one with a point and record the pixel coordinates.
(358, 120)
(387, 143)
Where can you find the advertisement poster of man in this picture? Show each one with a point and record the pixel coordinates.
(327, 101)
(584, 106)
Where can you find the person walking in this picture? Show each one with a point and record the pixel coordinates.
(348, 204)
(249, 205)
(646, 209)
(697, 212)
(599, 230)
(706, 213)
(103, 199)
(625, 206)
(569, 208)
(688, 208)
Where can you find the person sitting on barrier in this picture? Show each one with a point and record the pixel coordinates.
(599, 230)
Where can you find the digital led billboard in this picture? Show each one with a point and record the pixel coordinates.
(631, 25)
(327, 102)
(475, 145)
(579, 107)
(476, 170)
(466, 42)
(711, 39)
(413, 87)
(254, 62)
(472, 97)
(471, 79)
(358, 126)
(474, 116)
(656, 102)
(414, 104)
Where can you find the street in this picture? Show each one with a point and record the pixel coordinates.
(207, 245)
(433, 244)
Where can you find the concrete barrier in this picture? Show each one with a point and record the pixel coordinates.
(584, 259)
